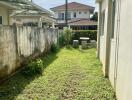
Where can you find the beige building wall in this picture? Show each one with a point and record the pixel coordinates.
(4, 13)
(120, 63)
(104, 9)
(124, 78)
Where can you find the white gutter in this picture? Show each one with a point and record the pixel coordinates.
(9, 5)
(97, 1)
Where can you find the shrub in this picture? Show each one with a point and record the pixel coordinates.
(68, 35)
(33, 68)
(92, 34)
(54, 48)
(61, 39)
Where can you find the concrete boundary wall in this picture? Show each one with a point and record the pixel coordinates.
(18, 43)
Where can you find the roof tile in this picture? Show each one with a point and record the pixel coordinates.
(74, 6)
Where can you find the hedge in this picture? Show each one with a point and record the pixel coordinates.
(92, 34)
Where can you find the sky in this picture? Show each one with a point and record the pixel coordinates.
(47, 4)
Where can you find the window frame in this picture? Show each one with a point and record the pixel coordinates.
(69, 15)
(75, 15)
(1, 20)
(61, 16)
(85, 12)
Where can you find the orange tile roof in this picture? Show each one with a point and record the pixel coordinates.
(74, 6)
(82, 22)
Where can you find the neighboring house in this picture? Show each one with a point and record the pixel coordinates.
(27, 13)
(115, 44)
(77, 15)
(5, 11)
(32, 18)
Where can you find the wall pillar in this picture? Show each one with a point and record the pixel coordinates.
(53, 24)
(40, 23)
(99, 32)
(108, 39)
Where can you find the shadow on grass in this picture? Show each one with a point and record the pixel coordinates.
(16, 84)
(84, 50)
(69, 47)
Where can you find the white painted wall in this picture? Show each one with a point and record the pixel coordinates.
(123, 84)
(104, 8)
(84, 14)
(102, 49)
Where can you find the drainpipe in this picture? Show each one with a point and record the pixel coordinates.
(99, 32)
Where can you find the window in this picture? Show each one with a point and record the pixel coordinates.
(69, 15)
(113, 17)
(0, 19)
(80, 12)
(85, 12)
(61, 16)
(103, 23)
(74, 15)
(18, 19)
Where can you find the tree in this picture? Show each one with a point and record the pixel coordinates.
(68, 35)
(95, 16)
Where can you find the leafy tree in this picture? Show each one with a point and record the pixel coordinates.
(95, 16)
(68, 35)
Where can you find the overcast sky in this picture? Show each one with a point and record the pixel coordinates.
(52, 3)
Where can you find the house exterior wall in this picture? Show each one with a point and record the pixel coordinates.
(124, 79)
(120, 63)
(84, 14)
(4, 14)
(20, 20)
(24, 19)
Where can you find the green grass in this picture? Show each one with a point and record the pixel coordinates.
(70, 74)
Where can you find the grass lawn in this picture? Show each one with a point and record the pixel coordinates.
(70, 74)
